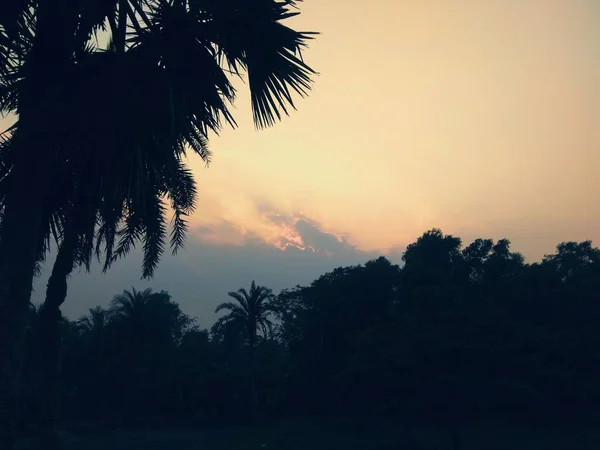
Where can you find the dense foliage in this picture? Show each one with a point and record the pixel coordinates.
(108, 96)
(455, 335)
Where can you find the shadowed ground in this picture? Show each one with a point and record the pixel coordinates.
(325, 435)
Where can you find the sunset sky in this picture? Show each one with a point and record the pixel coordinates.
(478, 117)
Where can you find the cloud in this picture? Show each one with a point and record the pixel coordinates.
(225, 232)
(295, 230)
(318, 240)
(279, 250)
(268, 225)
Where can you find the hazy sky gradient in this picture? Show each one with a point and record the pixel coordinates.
(478, 117)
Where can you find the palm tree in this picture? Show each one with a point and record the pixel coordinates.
(149, 327)
(130, 305)
(130, 311)
(148, 318)
(130, 314)
(73, 225)
(250, 314)
(95, 322)
(162, 85)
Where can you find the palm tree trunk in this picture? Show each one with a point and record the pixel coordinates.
(253, 390)
(22, 218)
(19, 240)
(50, 342)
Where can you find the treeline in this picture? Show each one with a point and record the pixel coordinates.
(453, 336)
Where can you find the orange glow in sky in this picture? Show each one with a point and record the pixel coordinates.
(482, 118)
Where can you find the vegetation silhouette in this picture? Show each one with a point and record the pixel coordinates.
(249, 315)
(161, 85)
(454, 338)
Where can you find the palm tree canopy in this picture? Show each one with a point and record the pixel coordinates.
(149, 315)
(133, 108)
(94, 217)
(250, 312)
(95, 321)
(128, 304)
(192, 45)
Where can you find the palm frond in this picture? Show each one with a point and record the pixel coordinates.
(251, 35)
(242, 297)
(17, 23)
(181, 190)
(196, 139)
(159, 94)
(94, 16)
(95, 320)
(154, 235)
(198, 90)
(230, 306)
(109, 218)
(130, 233)
(263, 294)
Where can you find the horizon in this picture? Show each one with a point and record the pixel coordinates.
(219, 269)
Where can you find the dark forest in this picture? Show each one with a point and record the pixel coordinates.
(454, 336)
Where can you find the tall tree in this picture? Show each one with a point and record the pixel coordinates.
(433, 260)
(77, 227)
(178, 54)
(147, 315)
(329, 328)
(149, 326)
(251, 315)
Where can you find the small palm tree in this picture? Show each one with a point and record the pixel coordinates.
(129, 312)
(148, 318)
(95, 322)
(250, 313)
(129, 305)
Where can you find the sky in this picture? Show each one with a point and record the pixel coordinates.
(477, 117)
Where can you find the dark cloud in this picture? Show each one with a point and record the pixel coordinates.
(321, 241)
(310, 231)
(273, 214)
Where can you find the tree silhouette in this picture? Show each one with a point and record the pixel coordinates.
(518, 344)
(149, 327)
(130, 305)
(475, 256)
(434, 259)
(76, 246)
(162, 85)
(95, 322)
(251, 314)
(147, 316)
